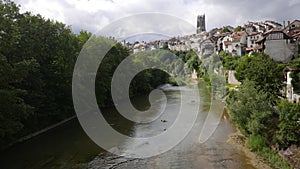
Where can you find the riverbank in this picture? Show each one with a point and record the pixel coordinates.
(239, 141)
(30, 136)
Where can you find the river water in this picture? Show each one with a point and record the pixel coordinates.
(67, 146)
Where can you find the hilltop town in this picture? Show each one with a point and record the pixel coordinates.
(279, 41)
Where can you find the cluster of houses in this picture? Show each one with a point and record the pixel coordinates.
(280, 42)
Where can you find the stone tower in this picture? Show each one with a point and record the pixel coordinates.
(201, 23)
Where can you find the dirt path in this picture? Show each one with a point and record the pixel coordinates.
(231, 78)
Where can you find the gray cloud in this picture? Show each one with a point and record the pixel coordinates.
(238, 12)
(92, 15)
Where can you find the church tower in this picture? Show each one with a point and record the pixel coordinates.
(201, 23)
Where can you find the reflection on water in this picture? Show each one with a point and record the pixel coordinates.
(61, 147)
(69, 147)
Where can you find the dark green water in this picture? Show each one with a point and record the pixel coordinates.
(67, 146)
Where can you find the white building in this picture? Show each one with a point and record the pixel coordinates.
(252, 39)
(235, 43)
(289, 90)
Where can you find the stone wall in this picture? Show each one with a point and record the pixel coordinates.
(281, 50)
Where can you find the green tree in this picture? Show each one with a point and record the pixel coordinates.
(9, 30)
(225, 29)
(263, 71)
(229, 62)
(193, 62)
(289, 126)
(37, 59)
(295, 75)
(13, 108)
(107, 67)
(250, 109)
(238, 28)
(296, 80)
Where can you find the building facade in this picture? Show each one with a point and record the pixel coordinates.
(279, 46)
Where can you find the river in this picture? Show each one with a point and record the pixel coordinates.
(67, 146)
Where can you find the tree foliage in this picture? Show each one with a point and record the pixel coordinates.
(289, 126)
(191, 59)
(37, 58)
(238, 28)
(250, 109)
(263, 71)
(225, 29)
(295, 75)
(229, 62)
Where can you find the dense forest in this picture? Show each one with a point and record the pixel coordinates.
(37, 58)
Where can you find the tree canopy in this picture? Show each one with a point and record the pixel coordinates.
(289, 126)
(263, 71)
(251, 110)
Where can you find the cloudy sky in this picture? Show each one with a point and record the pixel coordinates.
(93, 15)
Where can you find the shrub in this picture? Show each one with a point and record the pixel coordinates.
(273, 158)
(256, 142)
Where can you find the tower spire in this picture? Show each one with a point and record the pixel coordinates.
(201, 23)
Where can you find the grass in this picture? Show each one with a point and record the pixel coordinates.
(232, 85)
(258, 145)
(273, 158)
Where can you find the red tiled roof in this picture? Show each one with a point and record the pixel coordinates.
(249, 49)
(294, 31)
(254, 48)
(227, 42)
(240, 33)
(258, 47)
(297, 35)
(290, 68)
(260, 39)
(252, 33)
(272, 31)
(236, 39)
